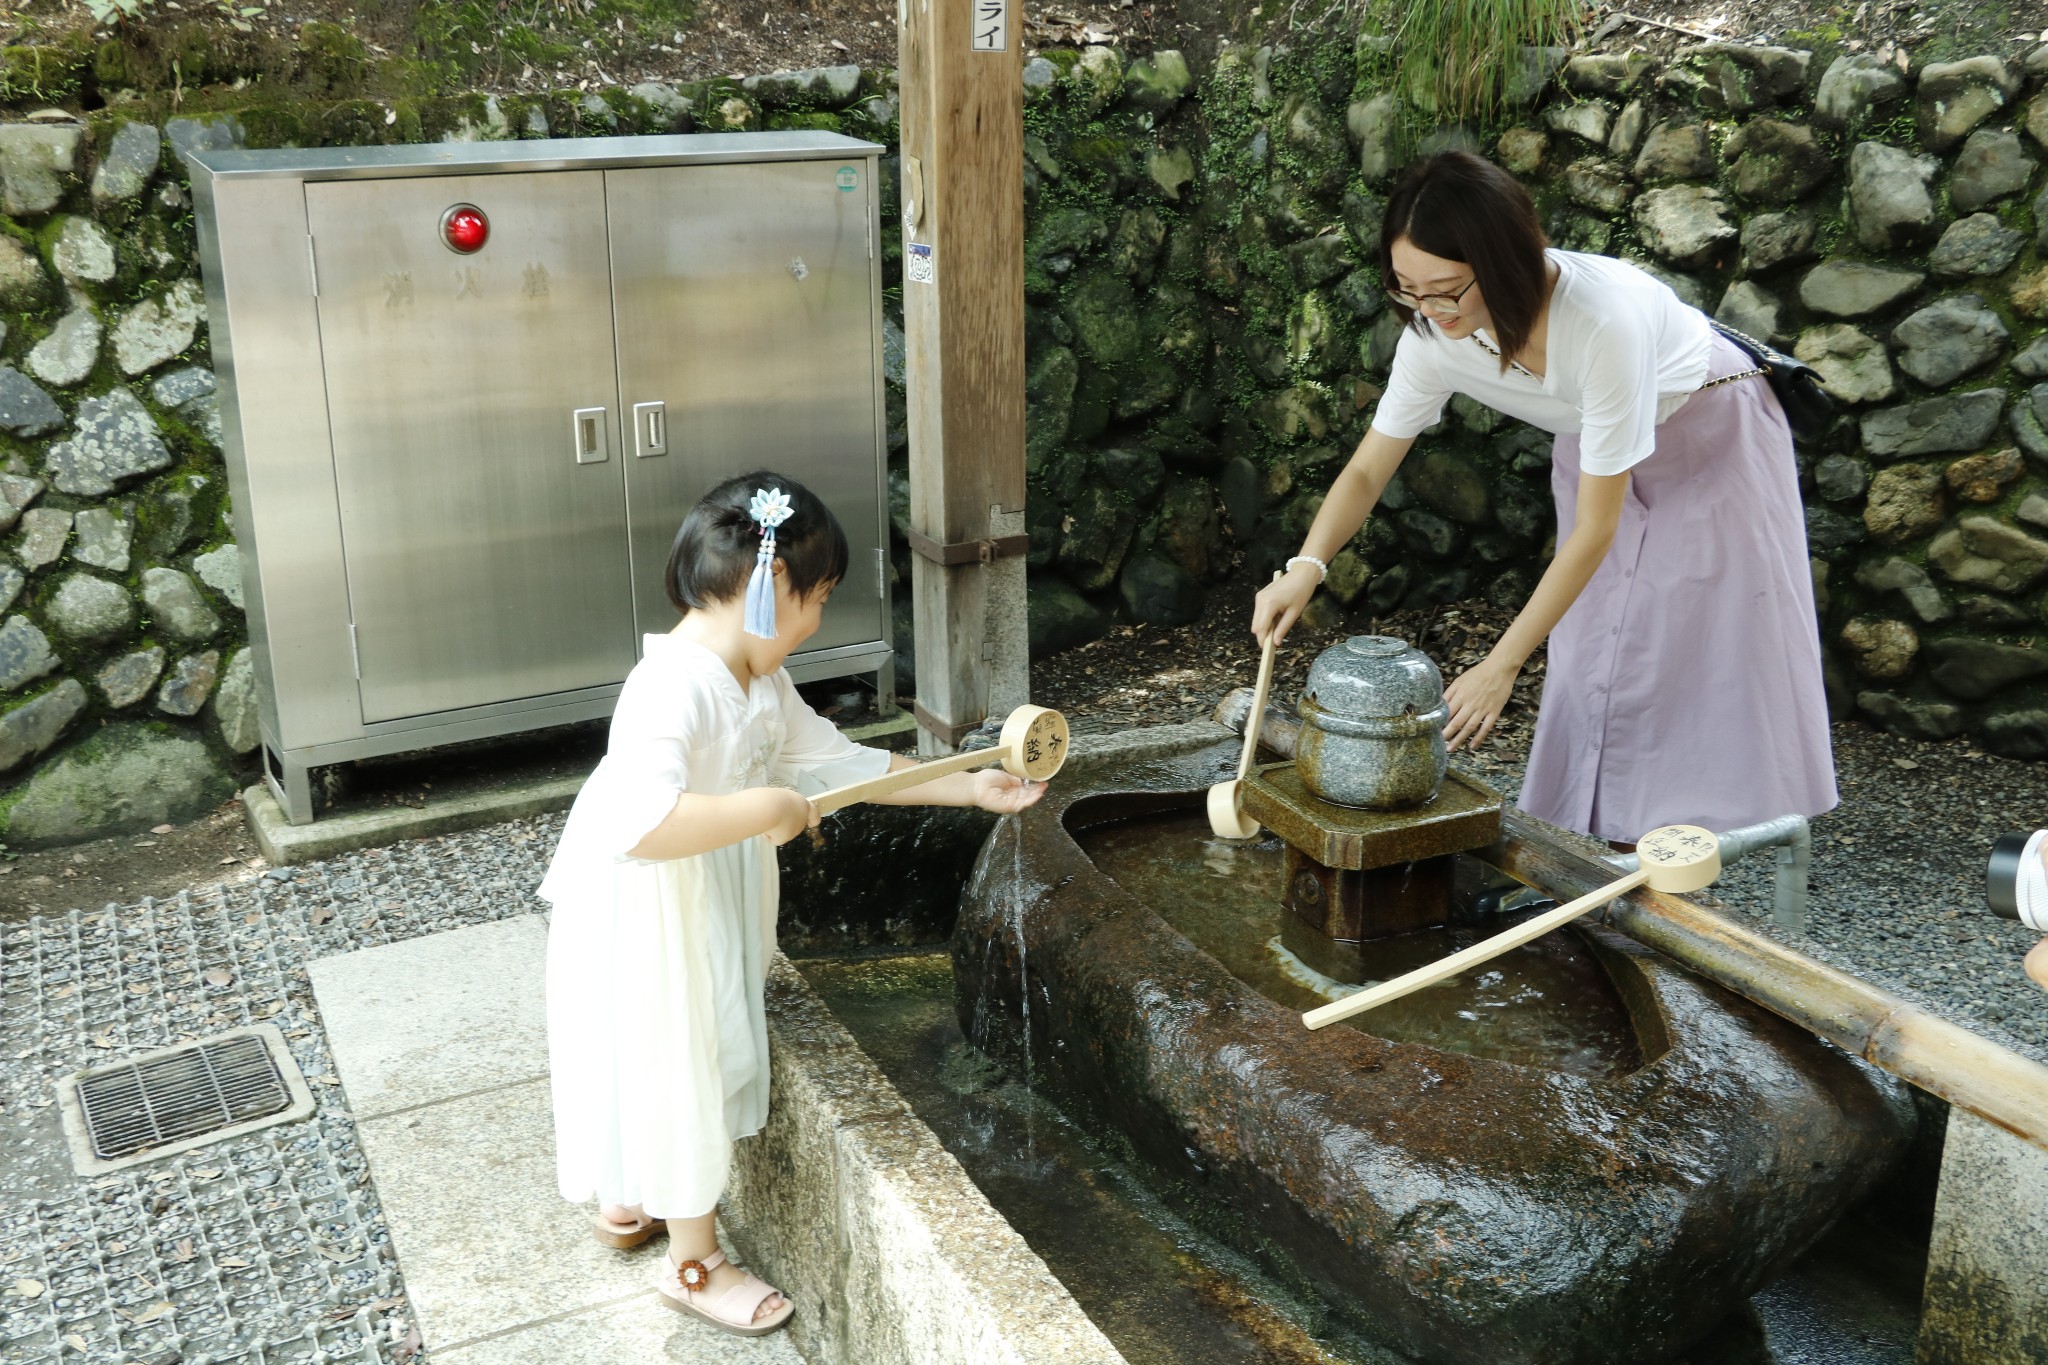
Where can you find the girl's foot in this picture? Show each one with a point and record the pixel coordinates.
(616, 1225)
(723, 1295)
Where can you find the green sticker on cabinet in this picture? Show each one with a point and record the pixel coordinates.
(848, 179)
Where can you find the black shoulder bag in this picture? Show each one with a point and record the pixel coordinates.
(1808, 407)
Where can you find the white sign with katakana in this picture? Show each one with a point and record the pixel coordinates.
(991, 25)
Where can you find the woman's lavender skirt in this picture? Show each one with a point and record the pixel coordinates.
(1684, 685)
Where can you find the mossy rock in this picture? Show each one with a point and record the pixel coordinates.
(120, 779)
(1104, 312)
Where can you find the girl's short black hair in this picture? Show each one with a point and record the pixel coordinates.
(1464, 208)
(715, 550)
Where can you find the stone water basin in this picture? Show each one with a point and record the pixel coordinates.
(1588, 1157)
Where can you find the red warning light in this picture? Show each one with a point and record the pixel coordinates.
(465, 229)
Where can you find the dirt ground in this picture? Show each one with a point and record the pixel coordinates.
(590, 43)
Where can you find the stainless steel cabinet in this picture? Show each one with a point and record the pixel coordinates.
(458, 466)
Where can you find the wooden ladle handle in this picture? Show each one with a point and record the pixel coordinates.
(1675, 858)
(1258, 711)
(1034, 746)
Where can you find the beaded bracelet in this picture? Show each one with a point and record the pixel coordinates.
(1322, 569)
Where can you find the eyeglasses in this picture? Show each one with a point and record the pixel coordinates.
(1435, 303)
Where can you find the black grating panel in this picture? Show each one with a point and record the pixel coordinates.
(180, 1095)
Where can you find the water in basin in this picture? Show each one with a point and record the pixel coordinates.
(1547, 1004)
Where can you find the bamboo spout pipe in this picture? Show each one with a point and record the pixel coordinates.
(1033, 746)
(1675, 858)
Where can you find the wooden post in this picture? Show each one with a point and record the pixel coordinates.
(960, 71)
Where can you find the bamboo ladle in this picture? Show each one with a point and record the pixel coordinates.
(1226, 799)
(1034, 744)
(1674, 858)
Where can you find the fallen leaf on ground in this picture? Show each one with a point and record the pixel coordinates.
(210, 1174)
(233, 1263)
(229, 859)
(102, 1040)
(160, 829)
(146, 1315)
(1906, 763)
(219, 976)
(29, 1289)
(322, 914)
(76, 1342)
(185, 1248)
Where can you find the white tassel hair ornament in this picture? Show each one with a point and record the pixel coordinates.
(769, 508)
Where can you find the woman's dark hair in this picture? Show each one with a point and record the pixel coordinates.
(715, 550)
(1464, 208)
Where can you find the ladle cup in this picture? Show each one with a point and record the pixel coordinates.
(1226, 799)
(1673, 858)
(1033, 746)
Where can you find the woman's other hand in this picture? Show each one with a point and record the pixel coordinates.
(1280, 603)
(1476, 699)
(794, 814)
(1003, 793)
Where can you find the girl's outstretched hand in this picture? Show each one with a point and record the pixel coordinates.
(1002, 793)
(794, 814)
(1280, 603)
(1476, 698)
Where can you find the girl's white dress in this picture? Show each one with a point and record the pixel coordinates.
(657, 1043)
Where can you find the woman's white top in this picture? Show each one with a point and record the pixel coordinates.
(657, 1041)
(1623, 354)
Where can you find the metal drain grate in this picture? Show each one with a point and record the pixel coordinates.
(181, 1097)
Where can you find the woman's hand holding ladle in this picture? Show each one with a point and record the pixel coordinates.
(1280, 603)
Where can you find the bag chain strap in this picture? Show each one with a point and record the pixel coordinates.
(1763, 371)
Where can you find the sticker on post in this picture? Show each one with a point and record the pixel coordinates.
(848, 179)
(991, 25)
(919, 265)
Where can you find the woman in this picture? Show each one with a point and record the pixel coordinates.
(1685, 673)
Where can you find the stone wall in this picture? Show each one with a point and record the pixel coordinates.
(1206, 336)
(1207, 333)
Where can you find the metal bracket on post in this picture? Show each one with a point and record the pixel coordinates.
(947, 732)
(984, 551)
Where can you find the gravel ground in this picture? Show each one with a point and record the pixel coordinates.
(270, 1248)
(273, 1247)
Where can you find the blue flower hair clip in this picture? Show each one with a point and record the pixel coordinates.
(769, 508)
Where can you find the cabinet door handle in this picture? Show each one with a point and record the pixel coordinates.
(587, 431)
(650, 429)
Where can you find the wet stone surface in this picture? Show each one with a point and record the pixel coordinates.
(1317, 1148)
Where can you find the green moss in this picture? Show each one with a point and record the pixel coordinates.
(276, 125)
(806, 122)
(46, 73)
(332, 60)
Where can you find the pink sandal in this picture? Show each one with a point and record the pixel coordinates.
(624, 1235)
(683, 1285)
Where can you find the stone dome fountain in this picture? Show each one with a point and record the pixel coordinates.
(1580, 1154)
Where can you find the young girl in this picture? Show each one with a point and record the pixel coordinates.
(664, 887)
